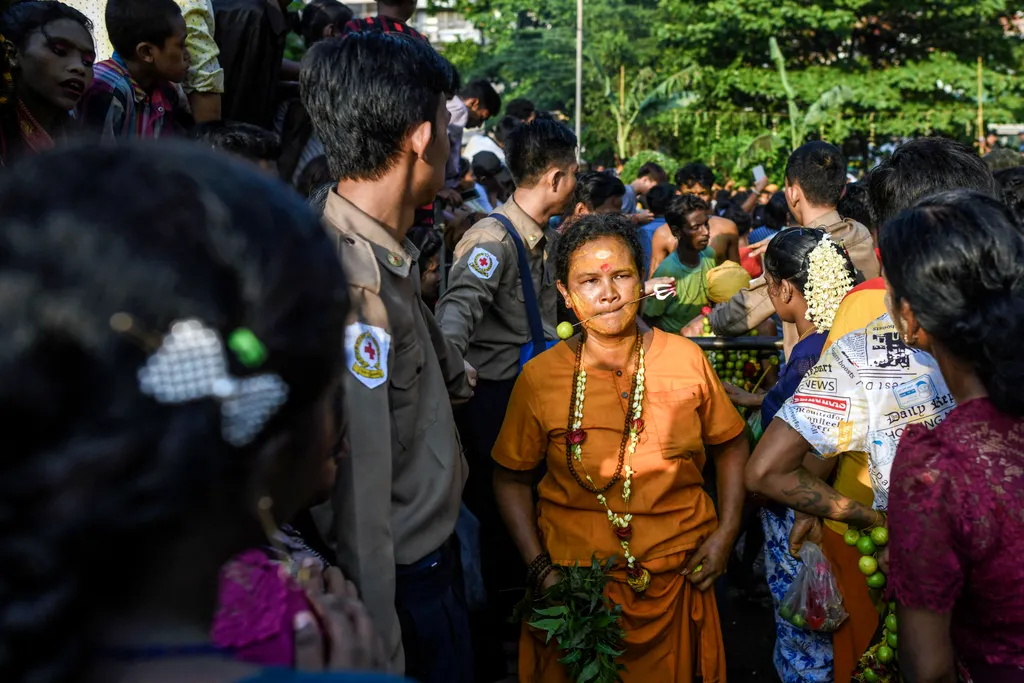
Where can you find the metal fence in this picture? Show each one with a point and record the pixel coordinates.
(738, 343)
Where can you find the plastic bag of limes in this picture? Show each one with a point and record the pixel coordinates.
(813, 601)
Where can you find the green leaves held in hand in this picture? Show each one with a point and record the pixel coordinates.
(576, 614)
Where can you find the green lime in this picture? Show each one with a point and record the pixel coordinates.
(798, 620)
(892, 640)
(892, 605)
(870, 676)
(851, 537)
(774, 360)
(730, 365)
(786, 612)
(753, 333)
(880, 536)
(885, 654)
(876, 580)
(866, 546)
(868, 565)
(890, 623)
(564, 330)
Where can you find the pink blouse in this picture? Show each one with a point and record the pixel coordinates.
(956, 519)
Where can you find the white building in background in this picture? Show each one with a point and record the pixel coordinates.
(440, 26)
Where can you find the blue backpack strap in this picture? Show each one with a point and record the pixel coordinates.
(529, 294)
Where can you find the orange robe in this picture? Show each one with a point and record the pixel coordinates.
(672, 632)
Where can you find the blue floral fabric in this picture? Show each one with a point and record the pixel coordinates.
(800, 656)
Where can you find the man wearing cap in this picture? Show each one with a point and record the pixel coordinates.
(486, 312)
(397, 494)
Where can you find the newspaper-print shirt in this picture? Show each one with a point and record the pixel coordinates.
(862, 394)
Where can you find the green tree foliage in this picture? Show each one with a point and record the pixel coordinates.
(884, 67)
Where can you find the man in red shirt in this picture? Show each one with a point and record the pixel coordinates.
(392, 17)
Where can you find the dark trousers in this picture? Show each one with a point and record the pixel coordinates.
(432, 612)
(479, 422)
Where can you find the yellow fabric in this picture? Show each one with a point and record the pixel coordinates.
(725, 281)
(204, 73)
(860, 307)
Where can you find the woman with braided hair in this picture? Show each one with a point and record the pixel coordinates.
(167, 402)
(48, 55)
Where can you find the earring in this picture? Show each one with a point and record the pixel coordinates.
(567, 304)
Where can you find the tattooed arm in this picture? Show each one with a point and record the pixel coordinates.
(776, 471)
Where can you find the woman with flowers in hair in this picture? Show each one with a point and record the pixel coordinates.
(807, 275)
(624, 418)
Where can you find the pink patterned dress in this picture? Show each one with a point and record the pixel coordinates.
(258, 604)
(956, 518)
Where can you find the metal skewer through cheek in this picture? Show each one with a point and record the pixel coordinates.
(661, 292)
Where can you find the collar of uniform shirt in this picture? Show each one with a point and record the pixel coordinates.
(825, 220)
(526, 226)
(346, 217)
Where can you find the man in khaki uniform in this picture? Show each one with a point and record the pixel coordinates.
(815, 180)
(398, 493)
(484, 312)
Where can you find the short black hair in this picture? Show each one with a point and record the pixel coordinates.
(241, 139)
(130, 22)
(695, 172)
(586, 229)
(484, 93)
(1011, 184)
(776, 211)
(923, 167)
(653, 170)
(733, 211)
(427, 239)
(593, 189)
(659, 197)
(820, 170)
(318, 15)
(365, 92)
(520, 108)
(506, 125)
(681, 207)
(531, 149)
(316, 173)
(855, 204)
(957, 258)
(317, 199)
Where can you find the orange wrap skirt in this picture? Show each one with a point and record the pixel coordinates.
(854, 636)
(673, 635)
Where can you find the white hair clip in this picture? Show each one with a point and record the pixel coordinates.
(191, 364)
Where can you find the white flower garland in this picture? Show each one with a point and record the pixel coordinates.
(620, 521)
(828, 281)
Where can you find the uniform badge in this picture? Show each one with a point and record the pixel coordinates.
(482, 263)
(366, 353)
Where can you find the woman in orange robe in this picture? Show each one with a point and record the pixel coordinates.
(672, 629)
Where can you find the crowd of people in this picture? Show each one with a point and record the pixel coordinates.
(321, 382)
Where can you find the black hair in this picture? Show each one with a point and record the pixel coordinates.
(520, 108)
(593, 189)
(241, 139)
(534, 148)
(776, 212)
(365, 92)
(93, 466)
(723, 196)
(428, 240)
(695, 172)
(505, 127)
(318, 198)
(130, 22)
(1011, 184)
(659, 197)
(856, 204)
(318, 15)
(681, 207)
(586, 229)
(819, 169)
(316, 173)
(733, 211)
(483, 92)
(957, 259)
(22, 19)
(787, 255)
(653, 170)
(922, 167)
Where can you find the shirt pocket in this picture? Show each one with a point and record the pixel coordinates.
(676, 421)
(406, 373)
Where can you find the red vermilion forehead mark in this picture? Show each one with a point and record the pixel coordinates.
(605, 267)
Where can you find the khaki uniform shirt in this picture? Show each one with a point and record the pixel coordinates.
(751, 306)
(483, 310)
(398, 491)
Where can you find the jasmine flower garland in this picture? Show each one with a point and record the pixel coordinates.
(828, 281)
